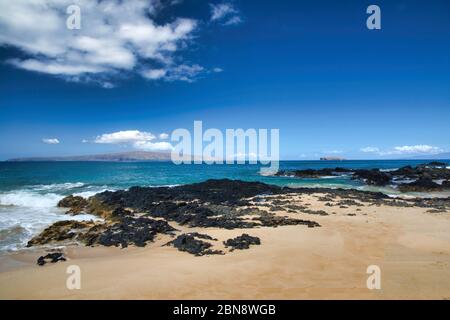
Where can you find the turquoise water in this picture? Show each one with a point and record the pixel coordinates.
(29, 191)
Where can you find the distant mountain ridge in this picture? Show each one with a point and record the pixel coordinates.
(119, 156)
(438, 156)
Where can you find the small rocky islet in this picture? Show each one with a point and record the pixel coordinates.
(138, 215)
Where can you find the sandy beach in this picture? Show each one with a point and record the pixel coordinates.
(410, 245)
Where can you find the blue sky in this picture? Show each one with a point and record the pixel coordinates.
(310, 68)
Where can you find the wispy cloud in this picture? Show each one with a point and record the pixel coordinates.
(404, 150)
(370, 150)
(183, 72)
(225, 13)
(50, 140)
(115, 37)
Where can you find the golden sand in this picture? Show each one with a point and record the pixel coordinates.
(411, 247)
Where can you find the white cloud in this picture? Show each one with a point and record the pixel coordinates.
(140, 140)
(401, 150)
(54, 68)
(183, 72)
(124, 137)
(370, 150)
(217, 70)
(152, 146)
(115, 37)
(233, 20)
(154, 73)
(423, 148)
(226, 13)
(50, 140)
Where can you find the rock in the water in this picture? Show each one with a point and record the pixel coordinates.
(435, 164)
(434, 170)
(373, 177)
(315, 173)
(242, 242)
(76, 204)
(421, 185)
(60, 231)
(51, 257)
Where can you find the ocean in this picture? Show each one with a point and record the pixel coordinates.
(29, 191)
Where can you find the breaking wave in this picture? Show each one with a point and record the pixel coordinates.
(27, 211)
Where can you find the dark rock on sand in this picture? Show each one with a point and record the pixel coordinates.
(242, 242)
(137, 215)
(200, 215)
(51, 257)
(349, 202)
(137, 231)
(316, 212)
(190, 243)
(126, 231)
(436, 211)
(276, 221)
(225, 192)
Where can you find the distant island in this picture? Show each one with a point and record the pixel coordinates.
(120, 156)
(331, 159)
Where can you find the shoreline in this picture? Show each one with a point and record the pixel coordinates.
(409, 244)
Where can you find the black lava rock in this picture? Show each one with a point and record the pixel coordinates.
(51, 257)
(373, 177)
(242, 242)
(188, 242)
(135, 231)
(422, 184)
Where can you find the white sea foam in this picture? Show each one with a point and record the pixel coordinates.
(92, 191)
(25, 198)
(334, 177)
(26, 212)
(57, 186)
(388, 170)
(319, 185)
(19, 224)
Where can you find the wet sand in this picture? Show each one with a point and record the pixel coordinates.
(411, 247)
